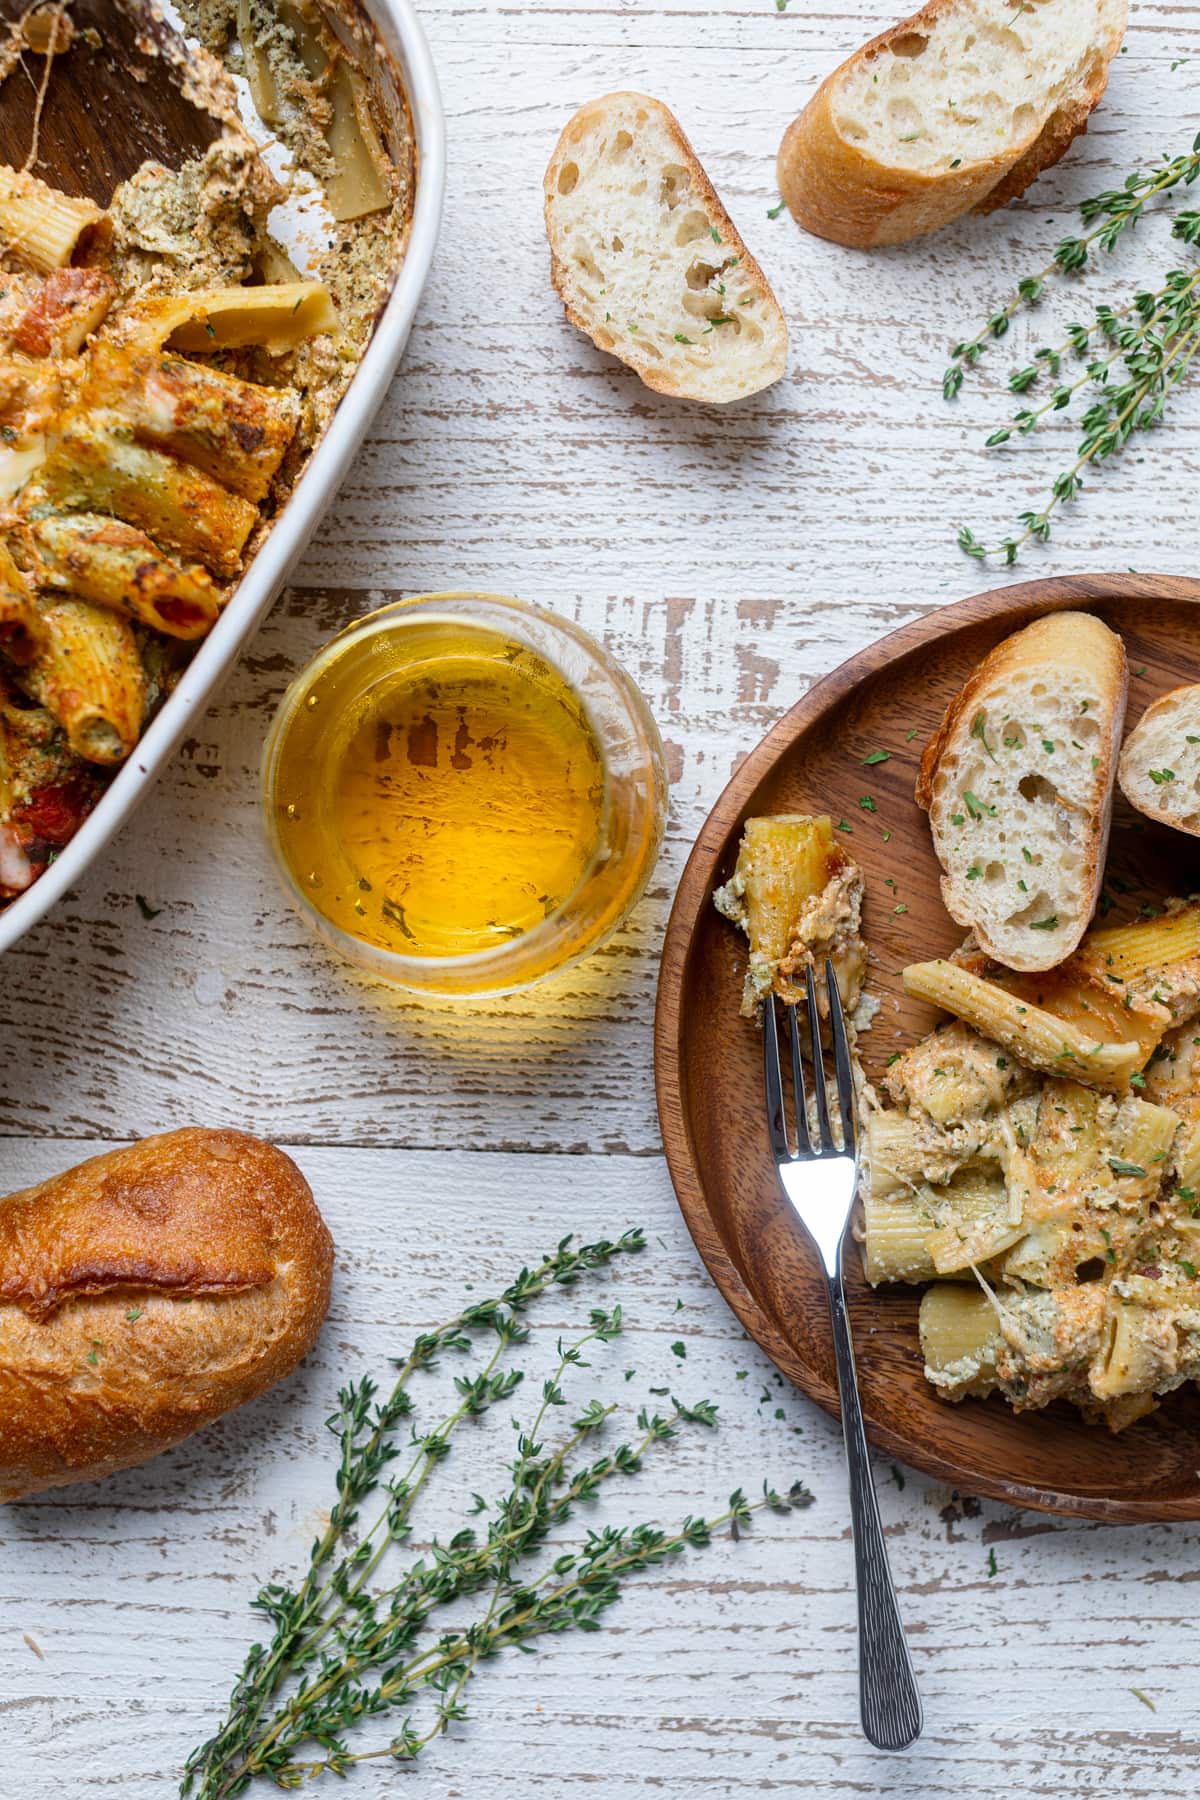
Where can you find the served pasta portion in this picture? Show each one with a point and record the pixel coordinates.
(1038, 1160)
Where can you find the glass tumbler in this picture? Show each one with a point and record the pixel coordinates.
(341, 733)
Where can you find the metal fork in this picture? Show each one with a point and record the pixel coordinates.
(820, 1181)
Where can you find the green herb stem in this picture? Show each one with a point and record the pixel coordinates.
(1117, 210)
(538, 1609)
(1155, 334)
(366, 1450)
(349, 1654)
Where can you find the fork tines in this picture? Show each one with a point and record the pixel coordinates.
(813, 1134)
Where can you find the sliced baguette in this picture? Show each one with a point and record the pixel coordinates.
(1159, 771)
(648, 262)
(958, 107)
(1018, 785)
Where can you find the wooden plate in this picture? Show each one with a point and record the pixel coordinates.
(709, 1060)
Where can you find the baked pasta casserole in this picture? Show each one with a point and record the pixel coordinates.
(165, 370)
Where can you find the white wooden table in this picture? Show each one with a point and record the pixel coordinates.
(729, 558)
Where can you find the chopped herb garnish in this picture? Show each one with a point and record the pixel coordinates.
(976, 807)
(979, 730)
(876, 756)
(867, 803)
(1044, 924)
(1160, 776)
(1119, 1166)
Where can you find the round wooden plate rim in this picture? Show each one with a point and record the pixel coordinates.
(1023, 600)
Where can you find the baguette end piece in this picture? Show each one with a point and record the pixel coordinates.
(957, 108)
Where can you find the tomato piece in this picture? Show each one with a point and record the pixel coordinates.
(54, 814)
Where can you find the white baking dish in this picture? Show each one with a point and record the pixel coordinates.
(401, 33)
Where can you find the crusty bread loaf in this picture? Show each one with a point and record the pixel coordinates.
(1159, 771)
(146, 1292)
(648, 261)
(959, 106)
(1018, 785)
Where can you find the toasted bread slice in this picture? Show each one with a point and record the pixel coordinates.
(649, 263)
(1159, 771)
(1018, 785)
(959, 106)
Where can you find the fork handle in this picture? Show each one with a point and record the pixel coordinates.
(889, 1703)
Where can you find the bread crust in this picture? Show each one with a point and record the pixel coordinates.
(589, 116)
(146, 1292)
(837, 191)
(1077, 638)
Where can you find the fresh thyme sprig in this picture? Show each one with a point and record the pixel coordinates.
(1154, 336)
(345, 1649)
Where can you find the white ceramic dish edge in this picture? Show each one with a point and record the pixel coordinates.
(401, 32)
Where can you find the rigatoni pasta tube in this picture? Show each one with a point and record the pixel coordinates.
(16, 871)
(41, 226)
(63, 314)
(357, 180)
(233, 318)
(116, 565)
(236, 431)
(960, 1336)
(21, 630)
(896, 1228)
(1142, 1136)
(101, 470)
(1140, 1347)
(1038, 1038)
(89, 676)
(1148, 944)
